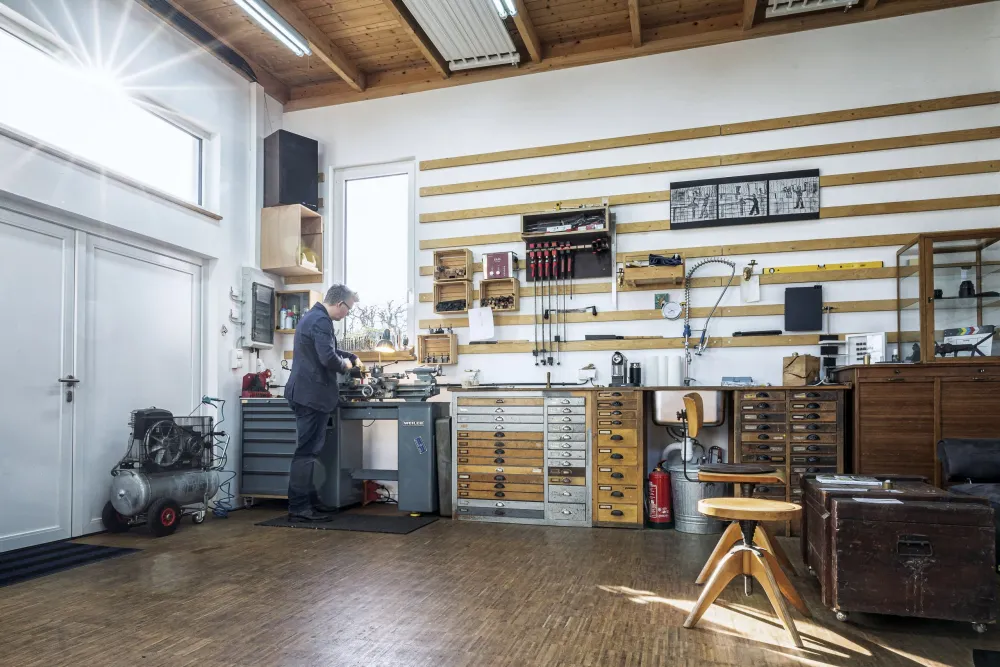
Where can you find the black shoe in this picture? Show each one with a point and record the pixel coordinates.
(308, 516)
(325, 509)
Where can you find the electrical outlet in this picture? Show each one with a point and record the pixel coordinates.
(236, 358)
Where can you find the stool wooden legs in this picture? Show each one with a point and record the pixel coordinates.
(762, 536)
(729, 568)
(762, 572)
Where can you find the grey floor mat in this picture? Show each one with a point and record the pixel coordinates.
(368, 523)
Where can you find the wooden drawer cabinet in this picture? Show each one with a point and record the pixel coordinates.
(778, 426)
(619, 459)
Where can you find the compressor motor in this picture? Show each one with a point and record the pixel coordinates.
(167, 473)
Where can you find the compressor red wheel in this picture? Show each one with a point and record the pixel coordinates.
(163, 517)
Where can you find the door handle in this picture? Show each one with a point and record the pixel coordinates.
(70, 380)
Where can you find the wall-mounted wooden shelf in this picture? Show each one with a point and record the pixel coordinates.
(452, 291)
(501, 287)
(452, 265)
(437, 349)
(375, 357)
(300, 300)
(291, 241)
(649, 277)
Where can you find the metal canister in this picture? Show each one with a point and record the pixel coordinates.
(635, 374)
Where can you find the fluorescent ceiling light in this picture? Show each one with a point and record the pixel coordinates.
(271, 21)
(777, 8)
(505, 8)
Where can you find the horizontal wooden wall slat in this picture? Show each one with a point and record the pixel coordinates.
(802, 120)
(754, 310)
(828, 181)
(822, 276)
(794, 153)
(655, 343)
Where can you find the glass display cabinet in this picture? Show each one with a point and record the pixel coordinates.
(948, 297)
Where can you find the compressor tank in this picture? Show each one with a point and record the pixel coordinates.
(133, 491)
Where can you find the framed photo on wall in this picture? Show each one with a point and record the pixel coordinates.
(745, 200)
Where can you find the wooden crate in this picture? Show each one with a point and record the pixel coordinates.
(501, 287)
(453, 291)
(654, 276)
(302, 299)
(452, 265)
(432, 348)
(287, 233)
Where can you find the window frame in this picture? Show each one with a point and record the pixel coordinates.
(336, 244)
(20, 28)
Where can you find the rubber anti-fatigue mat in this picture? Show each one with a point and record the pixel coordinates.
(368, 523)
(44, 559)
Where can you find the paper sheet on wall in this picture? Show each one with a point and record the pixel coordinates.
(750, 290)
(480, 324)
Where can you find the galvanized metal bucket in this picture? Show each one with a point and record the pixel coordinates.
(686, 494)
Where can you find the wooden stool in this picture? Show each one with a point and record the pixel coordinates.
(751, 559)
(762, 536)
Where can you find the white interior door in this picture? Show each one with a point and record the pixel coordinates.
(36, 422)
(140, 346)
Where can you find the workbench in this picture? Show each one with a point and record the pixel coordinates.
(577, 455)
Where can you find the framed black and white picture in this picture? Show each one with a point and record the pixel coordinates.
(744, 200)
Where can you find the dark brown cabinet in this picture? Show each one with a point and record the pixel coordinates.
(900, 411)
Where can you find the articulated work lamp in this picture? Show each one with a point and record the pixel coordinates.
(384, 345)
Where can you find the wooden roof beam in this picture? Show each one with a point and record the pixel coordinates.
(417, 34)
(320, 43)
(527, 29)
(270, 83)
(749, 13)
(634, 22)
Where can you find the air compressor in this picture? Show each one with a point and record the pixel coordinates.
(660, 511)
(168, 472)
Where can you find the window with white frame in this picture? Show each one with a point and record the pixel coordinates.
(52, 100)
(375, 216)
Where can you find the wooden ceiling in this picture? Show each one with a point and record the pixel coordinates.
(365, 49)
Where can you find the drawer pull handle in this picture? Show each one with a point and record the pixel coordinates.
(498, 419)
(499, 435)
(567, 410)
(812, 427)
(565, 446)
(616, 393)
(566, 480)
(500, 512)
(499, 486)
(617, 475)
(616, 422)
(812, 415)
(500, 478)
(617, 513)
(565, 401)
(568, 455)
(499, 401)
(763, 427)
(567, 428)
(617, 456)
(764, 447)
(813, 406)
(566, 437)
(812, 448)
(763, 436)
(566, 512)
(498, 428)
(895, 380)
(812, 469)
(763, 489)
(763, 394)
(762, 417)
(617, 404)
(498, 410)
(616, 413)
(763, 406)
(812, 436)
(567, 419)
(617, 437)
(812, 459)
(567, 493)
(498, 460)
(812, 394)
(500, 452)
(499, 494)
(762, 457)
(617, 494)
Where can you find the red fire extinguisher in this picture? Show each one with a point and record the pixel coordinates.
(660, 512)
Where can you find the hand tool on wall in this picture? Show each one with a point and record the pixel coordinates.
(569, 269)
(550, 271)
(543, 286)
(532, 273)
(557, 263)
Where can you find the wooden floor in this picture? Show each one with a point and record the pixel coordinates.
(229, 593)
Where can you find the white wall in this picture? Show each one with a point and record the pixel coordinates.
(924, 56)
(167, 67)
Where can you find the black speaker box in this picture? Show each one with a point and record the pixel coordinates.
(291, 168)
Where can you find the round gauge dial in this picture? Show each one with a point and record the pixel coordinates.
(671, 310)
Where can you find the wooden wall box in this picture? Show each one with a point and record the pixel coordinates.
(288, 236)
(586, 264)
(437, 349)
(453, 264)
(653, 276)
(900, 411)
(302, 299)
(501, 287)
(453, 291)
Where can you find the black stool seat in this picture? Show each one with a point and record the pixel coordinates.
(736, 468)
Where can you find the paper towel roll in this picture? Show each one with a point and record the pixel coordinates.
(674, 372)
(661, 370)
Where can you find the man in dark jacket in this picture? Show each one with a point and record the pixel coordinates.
(311, 391)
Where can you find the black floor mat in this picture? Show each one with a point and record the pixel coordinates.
(984, 658)
(44, 559)
(368, 523)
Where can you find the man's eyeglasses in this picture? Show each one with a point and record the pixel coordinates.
(346, 305)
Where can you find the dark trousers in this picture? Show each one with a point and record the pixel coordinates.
(310, 433)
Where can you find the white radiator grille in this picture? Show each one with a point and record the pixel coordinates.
(467, 33)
